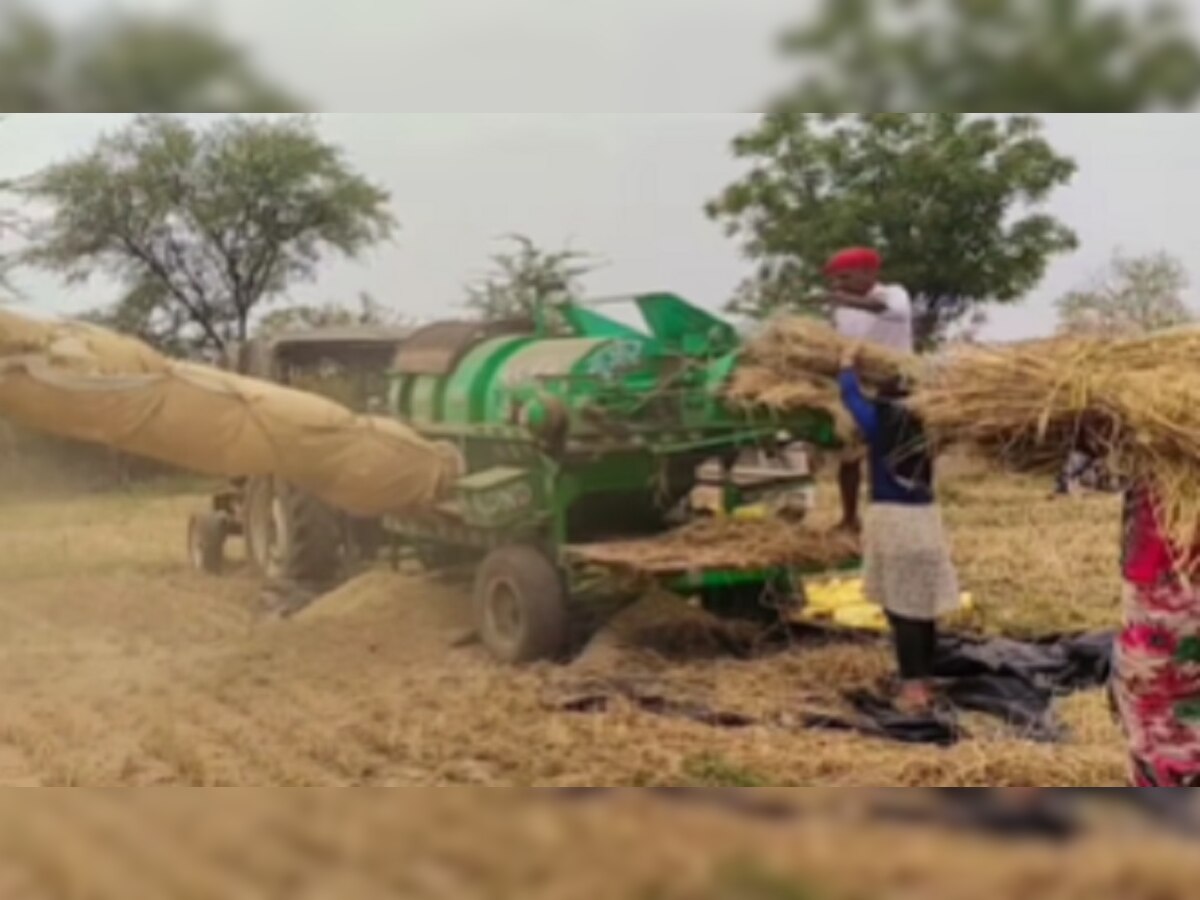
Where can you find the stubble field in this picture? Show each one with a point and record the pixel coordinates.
(123, 668)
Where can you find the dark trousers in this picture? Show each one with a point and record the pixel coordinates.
(916, 647)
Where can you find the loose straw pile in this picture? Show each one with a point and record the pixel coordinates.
(725, 544)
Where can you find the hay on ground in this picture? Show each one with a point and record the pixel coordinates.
(725, 544)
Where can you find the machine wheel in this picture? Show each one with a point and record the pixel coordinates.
(291, 535)
(258, 523)
(206, 542)
(521, 606)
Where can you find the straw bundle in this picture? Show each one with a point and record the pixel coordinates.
(794, 365)
(800, 345)
(760, 386)
(1136, 401)
(725, 544)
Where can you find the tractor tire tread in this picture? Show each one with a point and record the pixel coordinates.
(543, 596)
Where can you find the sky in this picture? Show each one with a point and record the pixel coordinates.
(595, 162)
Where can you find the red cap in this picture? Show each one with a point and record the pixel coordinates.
(856, 259)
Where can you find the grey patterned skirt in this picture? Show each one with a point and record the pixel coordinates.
(909, 571)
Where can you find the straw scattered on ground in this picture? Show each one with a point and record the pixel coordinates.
(476, 844)
(727, 544)
(125, 669)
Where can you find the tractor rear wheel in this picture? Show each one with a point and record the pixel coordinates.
(206, 542)
(258, 523)
(292, 536)
(521, 606)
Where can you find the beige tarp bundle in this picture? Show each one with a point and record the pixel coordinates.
(82, 382)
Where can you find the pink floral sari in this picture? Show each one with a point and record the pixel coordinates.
(1156, 681)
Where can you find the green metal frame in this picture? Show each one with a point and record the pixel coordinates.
(636, 410)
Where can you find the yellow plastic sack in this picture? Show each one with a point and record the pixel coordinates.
(844, 602)
(82, 382)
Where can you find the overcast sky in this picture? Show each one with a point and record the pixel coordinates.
(596, 161)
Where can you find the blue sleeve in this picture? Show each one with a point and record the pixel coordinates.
(862, 409)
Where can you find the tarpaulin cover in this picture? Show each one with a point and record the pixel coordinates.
(1016, 682)
(81, 382)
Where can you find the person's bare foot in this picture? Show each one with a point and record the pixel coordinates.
(852, 527)
(916, 698)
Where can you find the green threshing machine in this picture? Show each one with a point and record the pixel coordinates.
(577, 430)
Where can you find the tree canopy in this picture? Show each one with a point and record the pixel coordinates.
(126, 62)
(525, 275)
(950, 200)
(201, 226)
(995, 55)
(1137, 295)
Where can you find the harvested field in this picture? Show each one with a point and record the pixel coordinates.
(123, 668)
(474, 844)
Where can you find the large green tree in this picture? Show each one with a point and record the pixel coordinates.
(202, 226)
(524, 276)
(950, 200)
(124, 62)
(996, 55)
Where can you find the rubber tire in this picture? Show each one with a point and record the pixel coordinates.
(537, 586)
(258, 496)
(206, 542)
(314, 539)
(304, 540)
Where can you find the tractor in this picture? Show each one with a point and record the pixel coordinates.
(577, 427)
(291, 537)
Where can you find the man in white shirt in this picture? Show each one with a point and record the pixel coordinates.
(865, 311)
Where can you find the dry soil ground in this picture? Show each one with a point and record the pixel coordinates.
(122, 668)
(473, 844)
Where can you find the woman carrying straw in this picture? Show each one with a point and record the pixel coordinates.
(908, 568)
(1156, 678)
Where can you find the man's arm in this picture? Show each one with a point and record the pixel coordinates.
(870, 303)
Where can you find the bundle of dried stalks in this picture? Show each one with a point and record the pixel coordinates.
(759, 386)
(794, 346)
(725, 544)
(1136, 401)
(794, 365)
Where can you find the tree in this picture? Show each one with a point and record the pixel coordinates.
(995, 55)
(523, 277)
(369, 312)
(947, 198)
(122, 62)
(1138, 295)
(147, 313)
(201, 227)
